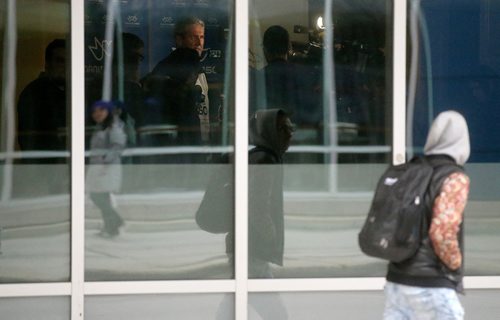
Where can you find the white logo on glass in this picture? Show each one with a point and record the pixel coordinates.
(100, 48)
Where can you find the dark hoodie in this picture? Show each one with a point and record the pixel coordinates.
(266, 231)
(265, 203)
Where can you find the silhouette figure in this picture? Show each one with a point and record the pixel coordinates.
(41, 109)
(270, 132)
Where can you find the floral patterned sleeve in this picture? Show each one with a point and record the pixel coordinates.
(446, 218)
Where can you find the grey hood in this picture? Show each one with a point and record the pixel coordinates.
(263, 130)
(449, 135)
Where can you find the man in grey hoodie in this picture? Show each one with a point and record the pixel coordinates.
(426, 285)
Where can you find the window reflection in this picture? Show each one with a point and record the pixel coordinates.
(345, 105)
(327, 64)
(163, 66)
(34, 135)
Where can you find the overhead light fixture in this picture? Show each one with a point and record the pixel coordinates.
(319, 23)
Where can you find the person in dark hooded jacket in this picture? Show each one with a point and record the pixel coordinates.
(270, 132)
(425, 286)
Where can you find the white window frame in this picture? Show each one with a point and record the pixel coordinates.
(241, 286)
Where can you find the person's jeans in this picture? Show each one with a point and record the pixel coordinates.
(412, 303)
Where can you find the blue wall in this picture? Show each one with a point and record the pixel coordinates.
(461, 77)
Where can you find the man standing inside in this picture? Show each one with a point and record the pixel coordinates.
(41, 109)
(190, 35)
(425, 286)
(275, 86)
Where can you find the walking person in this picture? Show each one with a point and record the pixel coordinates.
(104, 176)
(425, 286)
(271, 131)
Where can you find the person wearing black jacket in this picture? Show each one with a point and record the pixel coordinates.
(425, 286)
(180, 85)
(270, 133)
(42, 107)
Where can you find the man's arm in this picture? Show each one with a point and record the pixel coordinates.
(446, 218)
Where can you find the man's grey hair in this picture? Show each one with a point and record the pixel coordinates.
(183, 23)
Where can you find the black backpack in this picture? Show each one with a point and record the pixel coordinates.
(392, 230)
(216, 211)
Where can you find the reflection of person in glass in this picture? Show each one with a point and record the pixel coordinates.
(105, 172)
(133, 55)
(126, 86)
(270, 132)
(179, 95)
(190, 34)
(42, 104)
(279, 76)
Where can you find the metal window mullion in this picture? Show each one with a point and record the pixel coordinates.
(241, 158)
(35, 289)
(77, 158)
(481, 282)
(158, 287)
(316, 285)
(7, 110)
(352, 284)
(399, 82)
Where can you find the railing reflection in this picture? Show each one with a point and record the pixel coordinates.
(156, 145)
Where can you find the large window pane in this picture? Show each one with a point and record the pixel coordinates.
(459, 69)
(316, 305)
(328, 65)
(34, 136)
(31, 308)
(173, 306)
(162, 81)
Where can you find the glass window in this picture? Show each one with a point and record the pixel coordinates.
(172, 306)
(159, 131)
(315, 305)
(481, 303)
(458, 68)
(43, 308)
(34, 141)
(327, 65)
